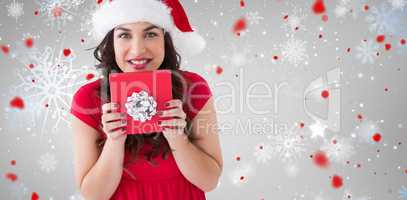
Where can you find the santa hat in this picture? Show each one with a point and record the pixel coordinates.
(167, 14)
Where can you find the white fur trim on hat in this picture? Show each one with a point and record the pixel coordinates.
(119, 12)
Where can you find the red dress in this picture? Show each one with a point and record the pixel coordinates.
(141, 180)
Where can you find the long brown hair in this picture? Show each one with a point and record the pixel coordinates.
(104, 53)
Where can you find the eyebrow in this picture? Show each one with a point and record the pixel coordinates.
(146, 29)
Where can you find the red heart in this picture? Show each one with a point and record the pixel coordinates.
(5, 49)
(34, 196)
(17, 102)
(387, 46)
(318, 7)
(11, 176)
(67, 52)
(240, 25)
(29, 42)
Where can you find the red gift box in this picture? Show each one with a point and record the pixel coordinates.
(157, 84)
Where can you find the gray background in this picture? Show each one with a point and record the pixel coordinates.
(39, 138)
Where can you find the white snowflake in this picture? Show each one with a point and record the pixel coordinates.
(239, 55)
(367, 51)
(294, 51)
(317, 129)
(47, 162)
(341, 11)
(398, 4)
(59, 11)
(292, 170)
(295, 20)
(338, 149)
(262, 153)
(288, 145)
(50, 84)
(254, 17)
(15, 9)
(385, 20)
(86, 19)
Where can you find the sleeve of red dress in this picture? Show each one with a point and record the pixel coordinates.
(84, 109)
(197, 95)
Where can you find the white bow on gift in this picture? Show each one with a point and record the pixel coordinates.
(140, 106)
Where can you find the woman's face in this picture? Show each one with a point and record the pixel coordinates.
(138, 46)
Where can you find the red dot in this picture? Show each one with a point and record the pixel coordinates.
(36, 12)
(320, 36)
(238, 158)
(302, 125)
(13, 162)
(242, 178)
(336, 181)
(219, 70)
(285, 17)
(324, 18)
(89, 76)
(242, 3)
(406, 171)
(82, 40)
(402, 41)
(334, 141)
(380, 38)
(360, 117)
(366, 7)
(386, 89)
(99, 1)
(377, 137)
(348, 50)
(325, 94)
(31, 66)
(321, 159)
(387, 46)
(275, 57)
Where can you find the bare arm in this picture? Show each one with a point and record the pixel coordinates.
(97, 171)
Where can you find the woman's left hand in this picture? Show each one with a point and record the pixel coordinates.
(175, 122)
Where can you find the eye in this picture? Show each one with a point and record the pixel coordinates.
(151, 35)
(124, 35)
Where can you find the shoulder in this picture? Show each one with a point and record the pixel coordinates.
(91, 86)
(192, 76)
(88, 90)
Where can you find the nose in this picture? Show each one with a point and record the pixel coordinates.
(137, 47)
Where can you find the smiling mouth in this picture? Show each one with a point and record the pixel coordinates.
(140, 64)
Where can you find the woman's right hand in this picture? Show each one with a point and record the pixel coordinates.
(114, 123)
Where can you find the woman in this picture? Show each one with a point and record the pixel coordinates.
(182, 162)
